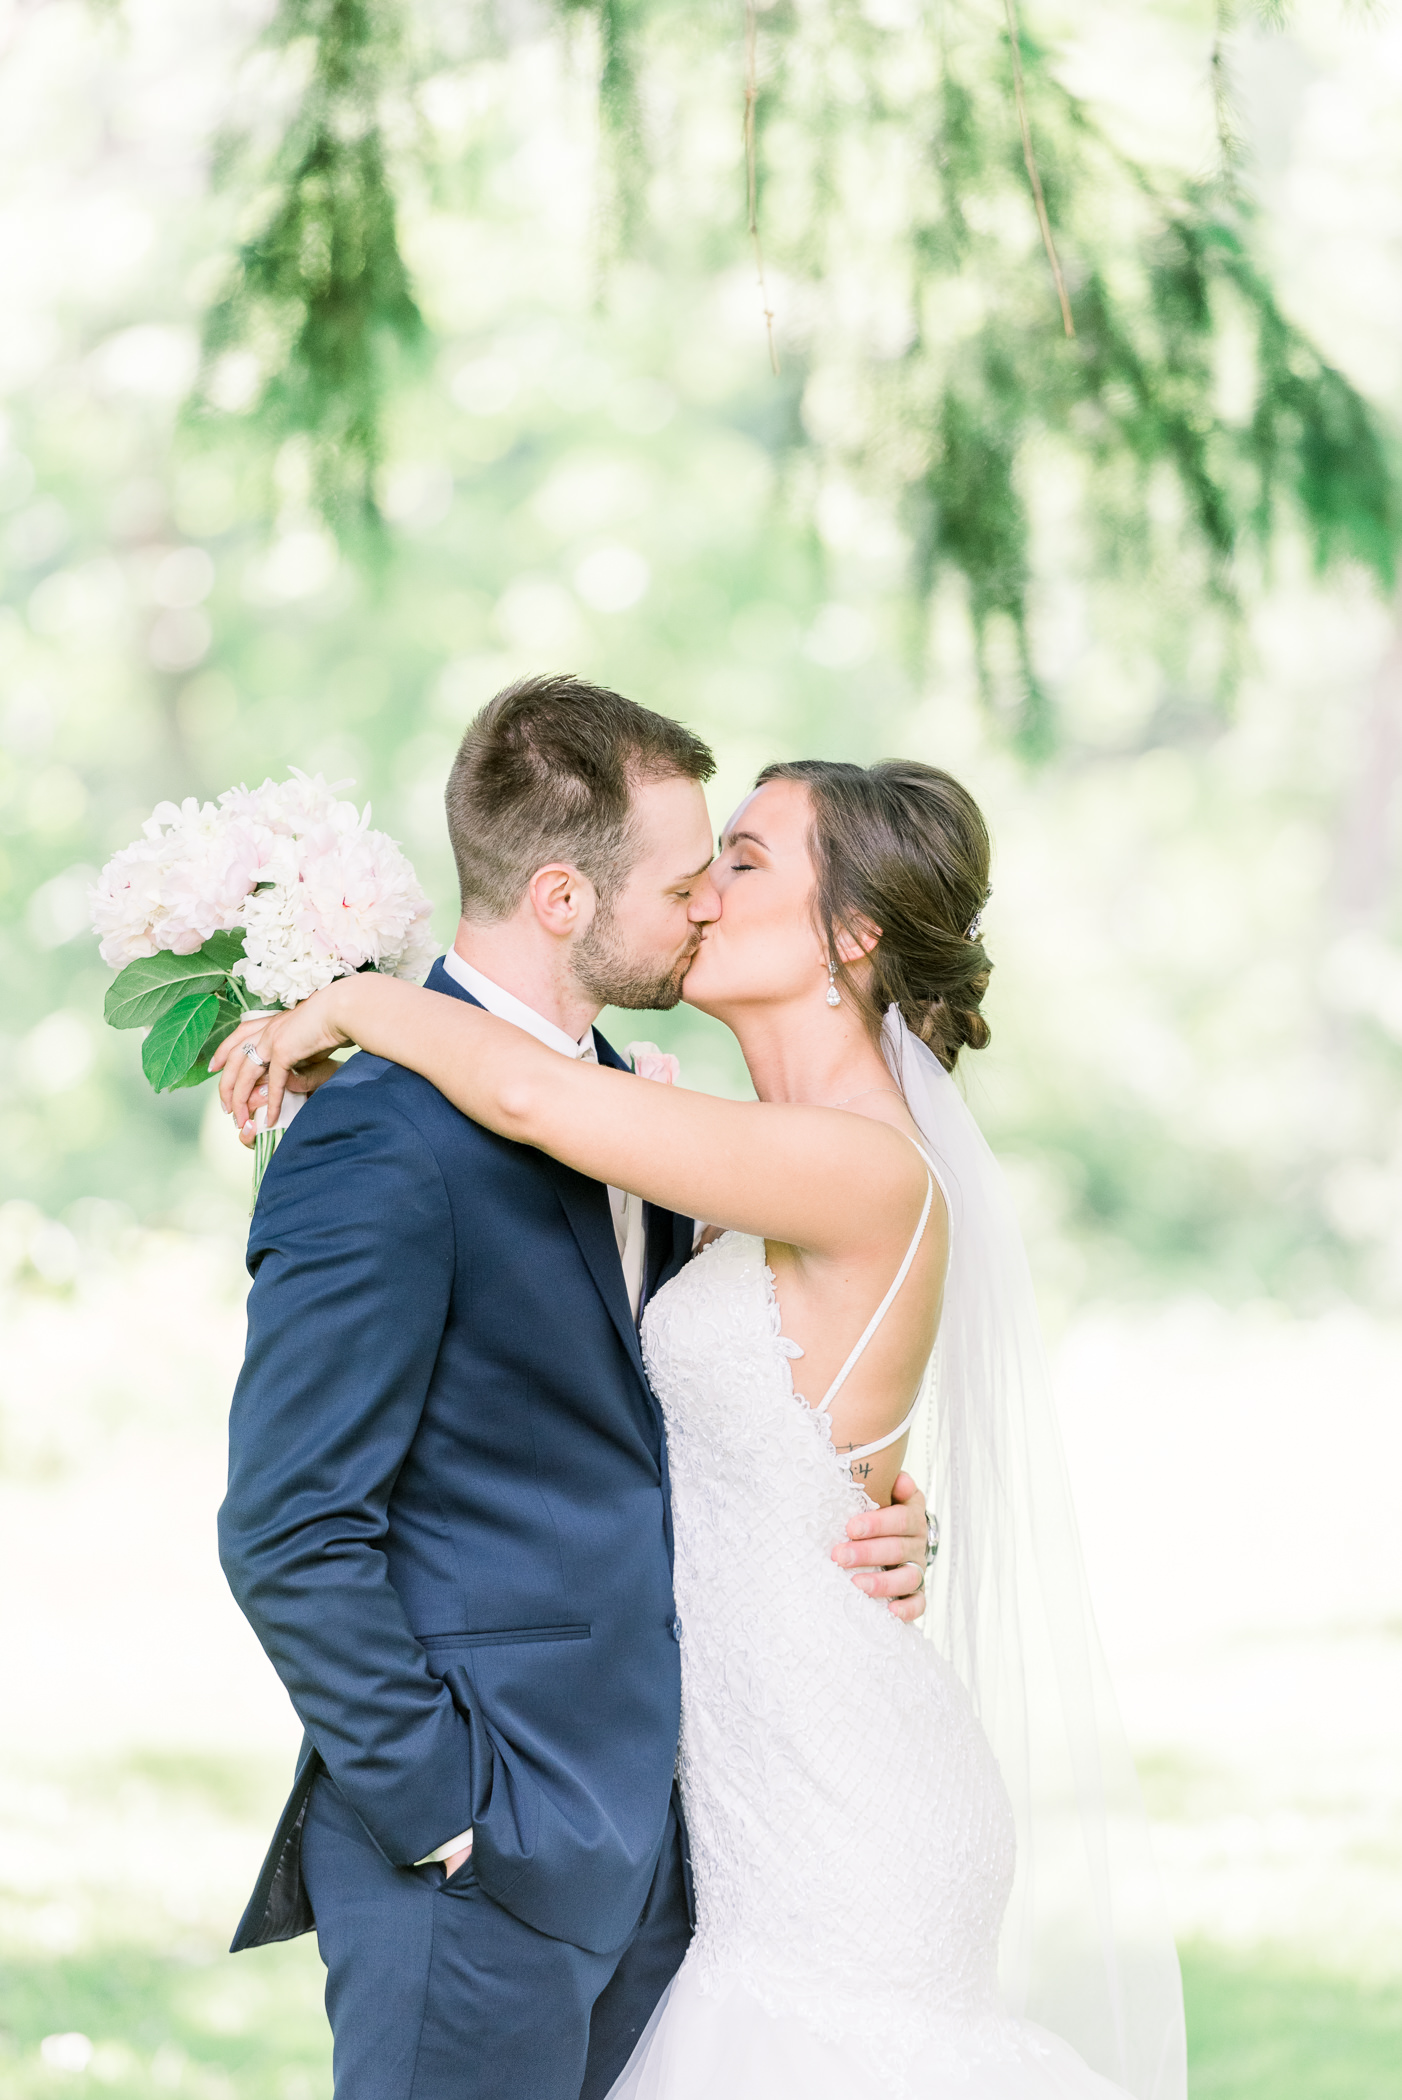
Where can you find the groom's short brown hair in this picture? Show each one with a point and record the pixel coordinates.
(544, 774)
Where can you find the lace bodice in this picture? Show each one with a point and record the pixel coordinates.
(827, 1750)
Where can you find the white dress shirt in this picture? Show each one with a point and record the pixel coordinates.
(627, 1210)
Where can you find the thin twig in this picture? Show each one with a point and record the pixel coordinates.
(1015, 42)
(752, 176)
(1228, 141)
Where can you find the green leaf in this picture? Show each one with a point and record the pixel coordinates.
(176, 1040)
(223, 950)
(151, 985)
(226, 1020)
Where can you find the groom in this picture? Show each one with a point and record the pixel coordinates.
(448, 1517)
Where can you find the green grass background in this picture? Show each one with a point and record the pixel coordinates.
(168, 2011)
(1259, 2027)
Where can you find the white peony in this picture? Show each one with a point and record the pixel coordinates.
(292, 808)
(184, 880)
(317, 893)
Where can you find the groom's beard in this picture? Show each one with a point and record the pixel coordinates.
(604, 969)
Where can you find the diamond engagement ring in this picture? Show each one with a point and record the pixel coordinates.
(251, 1050)
(932, 1537)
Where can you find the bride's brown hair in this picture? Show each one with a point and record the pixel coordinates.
(903, 846)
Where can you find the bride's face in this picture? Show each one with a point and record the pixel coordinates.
(764, 949)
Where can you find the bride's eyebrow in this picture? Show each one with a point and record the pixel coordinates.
(733, 838)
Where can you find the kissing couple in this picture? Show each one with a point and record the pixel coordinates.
(625, 1771)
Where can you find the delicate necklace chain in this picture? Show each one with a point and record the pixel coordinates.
(894, 1092)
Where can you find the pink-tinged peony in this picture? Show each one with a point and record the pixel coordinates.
(317, 893)
(293, 808)
(126, 903)
(186, 879)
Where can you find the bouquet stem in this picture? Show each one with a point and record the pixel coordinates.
(264, 1146)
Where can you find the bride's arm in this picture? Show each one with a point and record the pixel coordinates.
(815, 1178)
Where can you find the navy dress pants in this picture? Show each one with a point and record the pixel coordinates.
(434, 1992)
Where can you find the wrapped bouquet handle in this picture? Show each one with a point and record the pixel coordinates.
(265, 1143)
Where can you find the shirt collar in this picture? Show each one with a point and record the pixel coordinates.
(507, 1007)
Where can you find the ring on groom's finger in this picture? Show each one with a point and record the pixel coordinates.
(251, 1050)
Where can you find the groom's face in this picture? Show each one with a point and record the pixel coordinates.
(639, 945)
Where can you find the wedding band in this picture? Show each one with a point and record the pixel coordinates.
(251, 1050)
(921, 1583)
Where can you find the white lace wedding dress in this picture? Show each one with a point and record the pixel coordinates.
(851, 1836)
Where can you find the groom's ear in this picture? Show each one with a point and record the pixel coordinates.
(561, 899)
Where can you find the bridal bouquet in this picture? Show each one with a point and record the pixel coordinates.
(220, 911)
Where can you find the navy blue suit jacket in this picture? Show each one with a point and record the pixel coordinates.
(447, 1516)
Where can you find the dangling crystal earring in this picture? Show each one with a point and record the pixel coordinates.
(834, 995)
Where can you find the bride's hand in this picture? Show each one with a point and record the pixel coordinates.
(266, 1056)
(304, 1080)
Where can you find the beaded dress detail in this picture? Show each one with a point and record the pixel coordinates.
(851, 1838)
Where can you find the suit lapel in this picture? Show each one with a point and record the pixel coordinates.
(666, 1237)
(604, 1263)
(586, 1205)
(668, 1244)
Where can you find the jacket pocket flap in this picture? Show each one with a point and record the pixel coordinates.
(500, 1637)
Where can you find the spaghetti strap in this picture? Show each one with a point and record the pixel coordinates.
(869, 1450)
(931, 1176)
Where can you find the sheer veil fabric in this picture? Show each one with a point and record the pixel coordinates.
(1086, 1948)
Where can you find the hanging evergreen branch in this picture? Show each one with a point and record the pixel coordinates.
(1223, 98)
(1153, 275)
(319, 308)
(623, 164)
(1030, 158)
(1157, 276)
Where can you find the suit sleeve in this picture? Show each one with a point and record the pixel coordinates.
(352, 1259)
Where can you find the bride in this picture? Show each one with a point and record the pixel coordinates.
(866, 1241)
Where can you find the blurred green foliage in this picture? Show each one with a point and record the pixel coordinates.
(896, 142)
(582, 461)
(319, 294)
(1198, 1001)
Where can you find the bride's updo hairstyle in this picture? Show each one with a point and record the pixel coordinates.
(904, 847)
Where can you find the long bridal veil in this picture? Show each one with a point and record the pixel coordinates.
(1086, 1949)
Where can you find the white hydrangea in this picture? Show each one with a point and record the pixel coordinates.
(351, 899)
(317, 892)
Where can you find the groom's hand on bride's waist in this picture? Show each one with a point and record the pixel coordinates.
(885, 1549)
